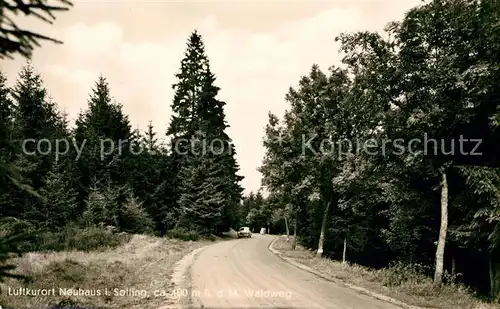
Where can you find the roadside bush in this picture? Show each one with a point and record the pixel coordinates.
(10, 226)
(22, 231)
(91, 238)
(134, 218)
(212, 238)
(119, 208)
(182, 234)
(70, 237)
(414, 279)
(401, 273)
(100, 209)
(74, 238)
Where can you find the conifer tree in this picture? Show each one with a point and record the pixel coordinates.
(5, 114)
(165, 191)
(10, 175)
(16, 40)
(199, 114)
(35, 117)
(188, 89)
(6, 147)
(213, 122)
(149, 139)
(201, 199)
(148, 173)
(59, 198)
(102, 124)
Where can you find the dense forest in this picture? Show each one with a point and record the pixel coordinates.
(388, 158)
(103, 173)
(394, 153)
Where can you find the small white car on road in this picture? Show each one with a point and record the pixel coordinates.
(244, 232)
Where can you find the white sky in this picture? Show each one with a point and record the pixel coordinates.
(257, 49)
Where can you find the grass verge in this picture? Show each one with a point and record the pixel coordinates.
(133, 275)
(403, 283)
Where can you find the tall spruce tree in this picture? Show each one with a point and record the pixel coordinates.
(5, 115)
(198, 114)
(212, 121)
(10, 175)
(36, 118)
(103, 132)
(181, 127)
(6, 147)
(188, 89)
(202, 199)
(15, 40)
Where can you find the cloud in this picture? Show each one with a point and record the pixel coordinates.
(254, 70)
(78, 77)
(93, 40)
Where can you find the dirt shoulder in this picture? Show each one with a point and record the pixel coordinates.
(134, 275)
(409, 290)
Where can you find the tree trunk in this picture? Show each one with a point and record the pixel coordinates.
(321, 241)
(492, 276)
(296, 226)
(453, 268)
(345, 250)
(438, 275)
(494, 269)
(287, 230)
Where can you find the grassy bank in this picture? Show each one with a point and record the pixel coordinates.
(136, 268)
(404, 283)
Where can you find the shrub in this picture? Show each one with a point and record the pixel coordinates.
(404, 273)
(14, 234)
(70, 237)
(212, 237)
(12, 226)
(117, 207)
(91, 238)
(100, 209)
(74, 238)
(134, 218)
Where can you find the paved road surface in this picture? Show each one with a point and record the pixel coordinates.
(245, 274)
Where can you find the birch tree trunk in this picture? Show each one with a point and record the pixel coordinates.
(345, 251)
(294, 242)
(438, 275)
(287, 230)
(321, 240)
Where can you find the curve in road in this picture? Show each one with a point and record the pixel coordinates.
(243, 273)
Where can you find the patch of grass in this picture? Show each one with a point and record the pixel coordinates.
(67, 270)
(143, 264)
(70, 237)
(73, 238)
(407, 283)
(183, 235)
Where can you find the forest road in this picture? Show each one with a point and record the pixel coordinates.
(243, 273)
